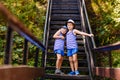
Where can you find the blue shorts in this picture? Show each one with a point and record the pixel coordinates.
(71, 52)
(59, 52)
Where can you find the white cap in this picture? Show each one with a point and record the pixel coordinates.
(70, 21)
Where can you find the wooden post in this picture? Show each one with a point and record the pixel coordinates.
(8, 48)
(25, 55)
(36, 57)
(110, 58)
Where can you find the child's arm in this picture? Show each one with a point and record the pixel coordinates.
(82, 33)
(56, 35)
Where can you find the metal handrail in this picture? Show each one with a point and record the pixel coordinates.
(103, 71)
(89, 27)
(85, 24)
(16, 25)
(110, 47)
(46, 23)
(46, 30)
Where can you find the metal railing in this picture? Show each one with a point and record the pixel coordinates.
(46, 31)
(108, 72)
(89, 42)
(15, 25)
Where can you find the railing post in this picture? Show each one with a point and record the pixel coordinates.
(8, 48)
(36, 57)
(25, 55)
(110, 58)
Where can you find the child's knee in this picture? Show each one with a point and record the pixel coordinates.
(75, 60)
(59, 58)
(70, 60)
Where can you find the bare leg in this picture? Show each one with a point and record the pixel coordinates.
(75, 61)
(71, 63)
(59, 61)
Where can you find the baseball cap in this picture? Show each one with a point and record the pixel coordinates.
(65, 27)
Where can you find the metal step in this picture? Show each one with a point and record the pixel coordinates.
(64, 22)
(65, 17)
(65, 63)
(81, 55)
(58, 11)
(64, 1)
(79, 42)
(80, 48)
(67, 77)
(64, 8)
(79, 37)
(65, 12)
(56, 27)
(81, 69)
(71, 5)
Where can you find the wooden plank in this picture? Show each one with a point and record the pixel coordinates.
(110, 47)
(108, 72)
(20, 73)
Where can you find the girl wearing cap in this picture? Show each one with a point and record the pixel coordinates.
(72, 47)
(59, 37)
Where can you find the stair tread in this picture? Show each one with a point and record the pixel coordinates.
(67, 11)
(65, 3)
(79, 53)
(51, 40)
(68, 68)
(63, 22)
(81, 48)
(72, 9)
(65, 76)
(55, 27)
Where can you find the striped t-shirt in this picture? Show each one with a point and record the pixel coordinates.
(59, 44)
(71, 40)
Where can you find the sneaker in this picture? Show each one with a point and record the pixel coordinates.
(71, 73)
(58, 71)
(77, 72)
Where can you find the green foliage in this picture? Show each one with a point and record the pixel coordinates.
(32, 14)
(2, 42)
(104, 18)
(116, 58)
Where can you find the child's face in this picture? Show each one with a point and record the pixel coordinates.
(70, 26)
(63, 30)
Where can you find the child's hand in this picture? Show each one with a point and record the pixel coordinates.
(62, 37)
(91, 35)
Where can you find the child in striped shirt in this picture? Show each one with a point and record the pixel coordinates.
(59, 48)
(72, 47)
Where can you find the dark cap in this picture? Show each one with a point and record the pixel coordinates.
(65, 27)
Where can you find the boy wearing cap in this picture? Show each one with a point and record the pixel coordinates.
(59, 37)
(72, 46)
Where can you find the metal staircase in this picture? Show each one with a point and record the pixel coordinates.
(59, 11)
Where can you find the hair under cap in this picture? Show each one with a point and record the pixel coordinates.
(65, 27)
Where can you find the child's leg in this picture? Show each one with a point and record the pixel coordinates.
(75, 61)
(59, 61)
(71, 63)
